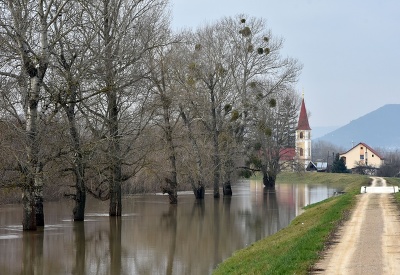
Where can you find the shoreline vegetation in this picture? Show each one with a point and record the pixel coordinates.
(296, 248)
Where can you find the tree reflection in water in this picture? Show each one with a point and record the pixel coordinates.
(80, 248)
(33, 252)
(152, 236)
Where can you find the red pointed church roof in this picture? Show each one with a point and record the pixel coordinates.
(303, 119)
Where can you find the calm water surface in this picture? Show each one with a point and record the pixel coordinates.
(152, 237)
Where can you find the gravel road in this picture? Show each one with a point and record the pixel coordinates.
(369, 242)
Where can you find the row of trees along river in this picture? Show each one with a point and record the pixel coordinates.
(102, 98)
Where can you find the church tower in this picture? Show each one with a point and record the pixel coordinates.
(303, 137)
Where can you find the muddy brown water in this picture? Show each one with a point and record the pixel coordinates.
(152, 237)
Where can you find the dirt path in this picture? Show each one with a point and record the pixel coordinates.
(368, 243)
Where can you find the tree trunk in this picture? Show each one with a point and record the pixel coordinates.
(114, 153)
(30, 196)
(227, 189)
(198, 189)
(38, 191)
(229, 168)
(269, 180)
(216, 157)
(80, 199)
(172, 182)
(36, 70)
(170, 189)
(115, 180)
(114, 150)
(28, 204)
(80, 189)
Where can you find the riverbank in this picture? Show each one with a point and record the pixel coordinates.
(294, 249)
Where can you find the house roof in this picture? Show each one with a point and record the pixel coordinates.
(303, 118)
(287, 154)
(366, 146)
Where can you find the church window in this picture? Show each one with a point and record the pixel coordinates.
(301, 134)
(301, 152)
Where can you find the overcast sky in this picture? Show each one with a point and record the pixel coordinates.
(350, 49)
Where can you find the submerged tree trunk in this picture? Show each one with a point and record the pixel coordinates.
(171, 186)
(34, 65)
(28, 204)
(80, 199)
(215, 135)
(227, 189)
(269, 180)
(229, 169)
(80, 189)
(198, 189)
(114, 151)
(39, 195)
(32, 149)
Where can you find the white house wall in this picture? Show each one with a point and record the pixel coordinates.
(361, 155)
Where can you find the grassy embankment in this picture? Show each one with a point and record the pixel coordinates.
(395, 181)
(294, 249)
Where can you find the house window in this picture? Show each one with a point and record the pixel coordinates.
(301, 134)
(301, 152)
(372, 155)
(361, 156)
(361, 148)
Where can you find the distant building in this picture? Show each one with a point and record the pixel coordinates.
(300, 156)
(318, 166)
(303, 138)
(287, 157)
(362, 155)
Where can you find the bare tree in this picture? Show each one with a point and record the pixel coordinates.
(273, 135)
(237, 63)
(27, 33)
(160, 75)
(126, 31)
(70, 72)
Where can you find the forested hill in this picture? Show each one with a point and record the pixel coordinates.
(379, 129)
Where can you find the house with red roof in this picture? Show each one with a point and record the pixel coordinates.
(362, 155)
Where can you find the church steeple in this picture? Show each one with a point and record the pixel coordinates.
(303, 118)
(303, 137)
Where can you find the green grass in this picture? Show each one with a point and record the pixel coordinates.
(294, 249)
(394, 181)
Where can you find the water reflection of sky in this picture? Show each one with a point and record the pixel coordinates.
(152, 237)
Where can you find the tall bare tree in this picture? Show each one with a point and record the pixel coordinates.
(70, 73)
(161, 63)
(28, 34)
(126, 31)
(272, 142)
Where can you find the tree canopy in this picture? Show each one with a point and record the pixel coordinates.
(338, 165)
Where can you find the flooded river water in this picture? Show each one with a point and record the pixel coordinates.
(152, 237)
